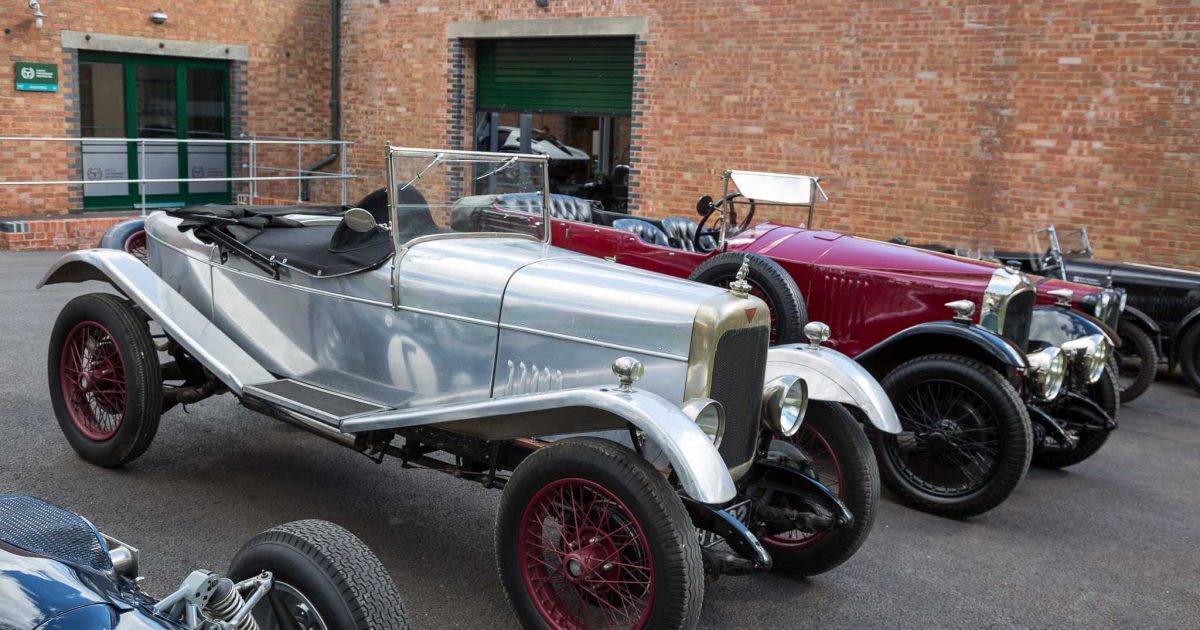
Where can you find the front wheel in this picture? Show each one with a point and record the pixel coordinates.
(105, 379)
(325, 579)
(1137, 360)
(1104, 393)
(965, 441)
(841, 459)
(1189, 357)
(589, 535)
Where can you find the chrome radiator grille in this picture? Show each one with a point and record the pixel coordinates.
(739, 366)
(1018, 318)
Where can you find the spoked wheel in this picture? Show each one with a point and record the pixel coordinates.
(965, 443)
(768, 282)
(841, 458)
(325, 579)
(136, 245)
(1137, 360)
(590, 536)
(105, 379)
(92, 375)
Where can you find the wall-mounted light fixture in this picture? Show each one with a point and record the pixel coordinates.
(158, 17)
(542, 3)
(38, 16)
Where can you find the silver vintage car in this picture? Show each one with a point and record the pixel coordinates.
(644, 435)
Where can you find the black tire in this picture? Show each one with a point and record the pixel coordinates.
(1103, 392)
(336, 572)
(106, 323)
(629, 492)
(991, 404)
(1189, 356)
(842, 460)
(1135, 342)
(770, 283)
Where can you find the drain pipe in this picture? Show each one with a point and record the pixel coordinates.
(335, 95)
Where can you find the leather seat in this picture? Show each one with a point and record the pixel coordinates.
(683, 232)
(563, 207)
(644, 230)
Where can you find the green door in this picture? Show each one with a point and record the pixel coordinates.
(163, 98)
(576, 76)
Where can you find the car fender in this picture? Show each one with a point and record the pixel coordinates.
(115, 236)
(182, 321)
(834, 377)
(1056, 325)
(694, 458)
(946, 336)
(1142, 319)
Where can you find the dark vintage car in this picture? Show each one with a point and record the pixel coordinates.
(58, 572)
(1161, 319)
(985, 368)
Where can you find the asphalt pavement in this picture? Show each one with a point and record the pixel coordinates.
(1111, 543)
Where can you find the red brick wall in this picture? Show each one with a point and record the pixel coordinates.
(940, 121)
(287, 77)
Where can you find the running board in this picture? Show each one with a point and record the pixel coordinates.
(313, 402)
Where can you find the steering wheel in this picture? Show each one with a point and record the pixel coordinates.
(707, 208)
(741, 227)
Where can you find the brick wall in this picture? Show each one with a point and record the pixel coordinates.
(942, 121)
(283, 89)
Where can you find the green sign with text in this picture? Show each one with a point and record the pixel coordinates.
(36, 77)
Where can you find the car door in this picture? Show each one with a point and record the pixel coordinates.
(586, 238)
(674, 262)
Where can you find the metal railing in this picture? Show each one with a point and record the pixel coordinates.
(251, 166)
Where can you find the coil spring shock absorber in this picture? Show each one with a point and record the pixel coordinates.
(226, 601)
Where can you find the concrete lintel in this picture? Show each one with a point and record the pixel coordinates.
(560, 27)
(153, 46)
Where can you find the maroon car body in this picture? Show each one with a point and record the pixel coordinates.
(889, 306)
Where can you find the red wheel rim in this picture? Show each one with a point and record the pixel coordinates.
(136, 245)
(584, 558)
(828, 471)
(92, 375)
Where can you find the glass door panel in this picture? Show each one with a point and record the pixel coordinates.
(207, 119)
(102, 115)
(157, 116)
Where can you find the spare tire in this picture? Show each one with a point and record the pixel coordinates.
(769, 283)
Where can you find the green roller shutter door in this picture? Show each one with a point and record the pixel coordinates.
(582, 76)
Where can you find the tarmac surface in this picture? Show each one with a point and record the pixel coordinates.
(1113, 542)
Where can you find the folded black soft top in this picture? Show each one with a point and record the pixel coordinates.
(267, 238)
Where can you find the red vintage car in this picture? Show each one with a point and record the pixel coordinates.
(982, 376)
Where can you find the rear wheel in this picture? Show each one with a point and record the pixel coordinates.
(589, 535)
(842, 460)
(768, 282)
(965, 442)
(136, 246)
(325, 579)
(1137, 360)
(1189, 357)
(105, 379)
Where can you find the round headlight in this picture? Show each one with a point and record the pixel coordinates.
(709, 415)
(1097, 360)
(1089, 355)
(1049, 367)
(785, 399)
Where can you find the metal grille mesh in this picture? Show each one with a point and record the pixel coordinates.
(1018, 318)
(738, 369)
(38, 527)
